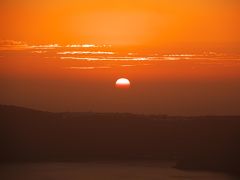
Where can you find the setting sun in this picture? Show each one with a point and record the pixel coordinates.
(122, 83)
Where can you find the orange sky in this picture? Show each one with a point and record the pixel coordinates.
(182, 57)
(123, 22)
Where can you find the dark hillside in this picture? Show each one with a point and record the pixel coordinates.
(207, 142)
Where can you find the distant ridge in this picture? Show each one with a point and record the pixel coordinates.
(14, 108)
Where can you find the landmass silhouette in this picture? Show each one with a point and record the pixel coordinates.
(195, 143)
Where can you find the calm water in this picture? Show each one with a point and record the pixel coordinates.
(102, 171)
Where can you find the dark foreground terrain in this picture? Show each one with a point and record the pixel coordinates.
(195, 143)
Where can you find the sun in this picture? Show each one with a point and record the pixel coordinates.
(122, 83)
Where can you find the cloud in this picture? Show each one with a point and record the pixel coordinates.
(103, 58)
(20, 45)
(82, 45)
(47, 46)
(39, 52)
(128, 65)
(87, 46)
(88, 67)
(80, 58)
(131, 65)
(12, 45)
(86, 52)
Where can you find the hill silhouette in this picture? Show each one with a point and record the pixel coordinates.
(206, 142)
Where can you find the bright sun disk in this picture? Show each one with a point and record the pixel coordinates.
(122, 83)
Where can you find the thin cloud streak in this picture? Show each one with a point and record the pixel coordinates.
(48, 46)
(13, 45)
(88, 67)
(86, 52)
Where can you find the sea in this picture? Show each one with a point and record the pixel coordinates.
(104, 171)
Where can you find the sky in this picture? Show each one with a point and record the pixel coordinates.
(155, 23)
(182, 57)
